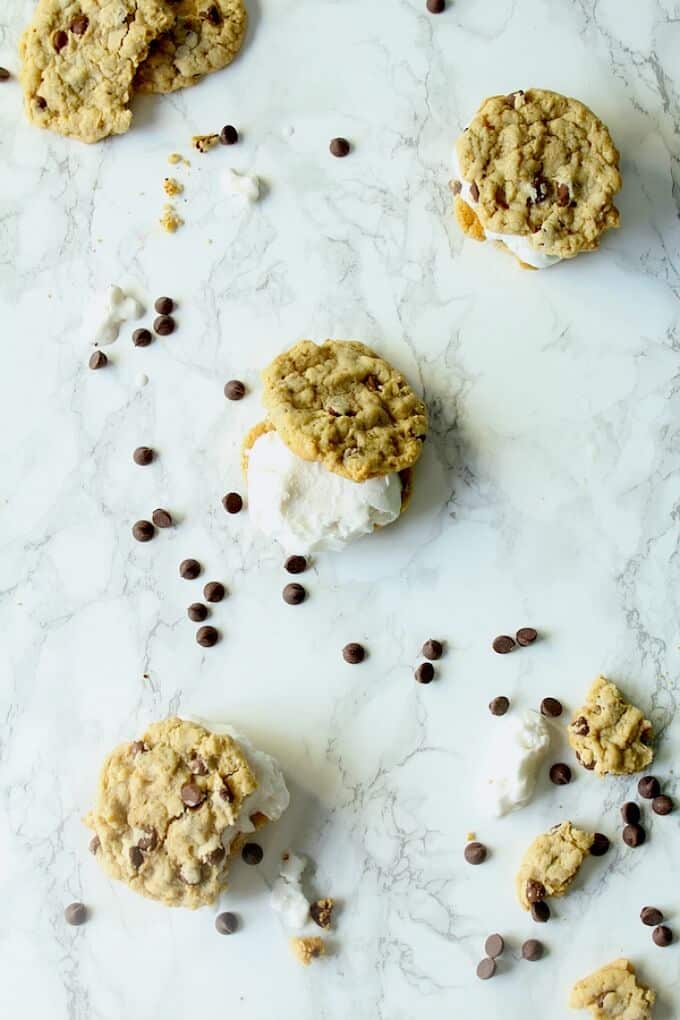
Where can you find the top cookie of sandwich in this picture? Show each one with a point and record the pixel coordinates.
(541, 165)
(206, 36)
(341, 404)
(79, 58)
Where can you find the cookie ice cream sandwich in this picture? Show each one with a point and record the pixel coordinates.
(536, 173)
(334, 458)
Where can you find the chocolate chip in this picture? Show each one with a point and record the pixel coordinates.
(142, 337)
(474, 192)
(600, 845)
(295, 564)
(535, 890)
(143, 531)
(207, 636)
(197, 766)
(226, 923)
(339, 147)
(651, 916)
(79, 24)
(532, 950)
(234, 390)
(4, 74)
(294, 594)
(540, 912)
(232, 502)
(164, 325)
(321, 912)
(563, 196)
(136, 857)
(433, 649)
(503, 644)
(216, 856)
(424, 674)
(212, 14)
(98, 360)
(474, 853)
(662, 805)
(354, 653)
(486, 969)
(192, 795)
(500, 198)
(634, 835)
(541, 187)
(526, 636)
(252, 853)
(494, 946)
(40, 102)
(189, 569)
(95, 843)
(197, 612)
(499, 705)
(75, 914)
(149, 841)
(436, 6)
(648, 787)
(456, 187)
(59, 40)
(164, 305)
(560, 774)
(213, 591)
(662, 935)
(228, 135)
(143, 455)
(551, 707)
(580, 727)
(162, 518)
(137, 747)
(630, 813)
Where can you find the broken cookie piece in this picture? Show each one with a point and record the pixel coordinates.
(321, 912)
(551, 863)
(613, 991)
(308, 948)
(609, 735)
(203, 143)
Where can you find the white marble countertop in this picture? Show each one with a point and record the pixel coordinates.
(548, 496)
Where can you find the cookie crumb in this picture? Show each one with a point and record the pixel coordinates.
(321, 912)
(203, 143)
(307, 948)
(172, 187)
(174, 158)
(169, 220)
(471, 837)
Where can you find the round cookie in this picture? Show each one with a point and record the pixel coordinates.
(339, 403)
(539, 166)
(206, 36)
(162, 807)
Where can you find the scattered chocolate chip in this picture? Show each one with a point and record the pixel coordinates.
(189, 569)
(580, 727)
(436, 6)
(98, 360)
(197, 612)
(535, 890)
(226, 923)
(433, 649)
(321, 912)
(164, 325)
(634, 835)
(354, 653)
(486, 969)
(143, 455)
(197, 766)
(295, 564)
(4, 74)
(500, 198)
(75, 914)
(339, 147)
(651, 916)
(474, 192)
(503, 644)
(79, 24)
(143, 531)
(526, 636)
(499, 705)
(149, 841)
(136, 856)
(252, 853)
(551, 707)
(540, 912)
(207, 636)
(162, 518)
(424, 673)
(563, 196)
(494, 946)
(94, 845)
(560, 774)
(474, 853)
(164, 305)
(192, 795)
(630, 812)
(142, 337)
(228, 135)
(600, 845)
(648, 787)
(294, 594)
(662, 935)
(662, 805)
(232, 502)
(532, 950)
(59, 40)
(213, 591)
(234, 390)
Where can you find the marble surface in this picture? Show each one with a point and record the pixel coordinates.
(548, 496)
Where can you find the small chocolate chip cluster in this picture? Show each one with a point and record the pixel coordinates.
(662, 935)
(213, 592)
(504, 643)
(163, 325)
(532, 950)
(649, 788)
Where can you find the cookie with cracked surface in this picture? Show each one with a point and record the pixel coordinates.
(163, 806)
(341, 404)
(551, 863)
(613, 991)
(205, 36)
(79, 58)
(539, 168)
(609, 735)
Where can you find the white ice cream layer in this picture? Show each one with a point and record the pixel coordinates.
(519, 744)
(244, 186)
(305, 507)
(517, 243)
(108, 309)
(287, 897)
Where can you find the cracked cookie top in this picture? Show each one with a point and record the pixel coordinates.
(163, 805)
(542, 165)
(608, 734)
(341, 404)
(551, 863)
(613, 991)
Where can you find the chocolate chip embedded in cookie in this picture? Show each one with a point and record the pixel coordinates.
(613, 991)
(551, 863)
(608, 734)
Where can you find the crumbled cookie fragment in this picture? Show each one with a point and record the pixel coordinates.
(551, 863)
(307, 948)
(321, 912)
(613, 991)
(203, 143)
(172, 187)
(170, 220)
(609, 735)
(174, 158)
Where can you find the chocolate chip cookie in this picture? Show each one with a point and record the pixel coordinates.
(551, 863)
(613, 991)
(608, 734)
